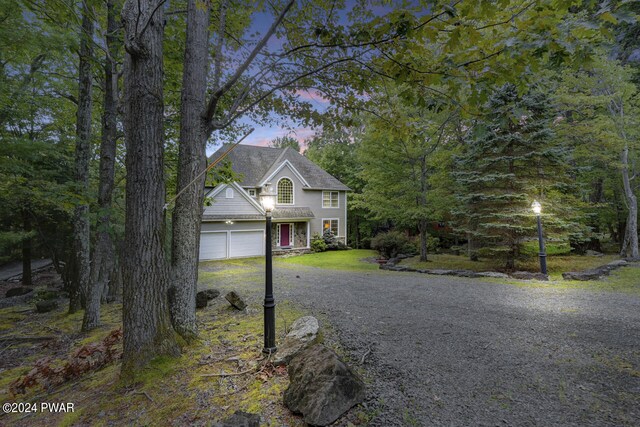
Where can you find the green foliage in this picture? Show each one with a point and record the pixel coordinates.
(510, 159)
(391, 243)
(317, 243)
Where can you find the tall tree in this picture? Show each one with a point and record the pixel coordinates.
(511, 159)
(81, 230)
(146, 320)
(104, 278)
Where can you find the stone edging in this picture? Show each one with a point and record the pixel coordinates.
(595, 273)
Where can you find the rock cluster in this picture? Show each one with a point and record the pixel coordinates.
(594, 273)
(235, 300)
(203, 297)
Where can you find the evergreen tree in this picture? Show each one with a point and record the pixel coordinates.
(510, 159)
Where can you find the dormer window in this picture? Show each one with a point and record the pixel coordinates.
(285, 191)
(252, 192)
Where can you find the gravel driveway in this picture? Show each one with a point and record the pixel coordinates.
(464, 352)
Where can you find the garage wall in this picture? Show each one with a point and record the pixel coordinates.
(237, 225)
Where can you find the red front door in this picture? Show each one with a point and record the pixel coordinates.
(284, 235)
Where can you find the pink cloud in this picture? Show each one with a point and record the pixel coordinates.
(312, 95)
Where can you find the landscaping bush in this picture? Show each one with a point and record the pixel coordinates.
(333, 244)
(392, 243)
(317, 243)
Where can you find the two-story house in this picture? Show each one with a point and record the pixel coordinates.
(308, 201)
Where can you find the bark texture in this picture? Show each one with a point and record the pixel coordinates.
(81, 230)
(146, 321)
(187, 214)
(104, 254)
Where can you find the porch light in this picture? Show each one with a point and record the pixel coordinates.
(267, 198)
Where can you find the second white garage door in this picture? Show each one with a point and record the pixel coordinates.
(246, 243)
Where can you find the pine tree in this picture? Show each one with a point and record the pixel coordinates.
(510, 159)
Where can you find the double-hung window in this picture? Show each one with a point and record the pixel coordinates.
(330, 199)
(330, 224)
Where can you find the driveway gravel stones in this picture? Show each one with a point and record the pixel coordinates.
(443, 350)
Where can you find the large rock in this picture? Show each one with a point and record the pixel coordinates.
(304, 333)
(203, 297)
(241, 419)
(15, 292)
(235, 300)
(322, 387)
(589, 252)
(46, 306)
(527, 275)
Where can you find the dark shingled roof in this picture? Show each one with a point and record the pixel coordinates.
(292, 213)
(233, 217)
(256, 163)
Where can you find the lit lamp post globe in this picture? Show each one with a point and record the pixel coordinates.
(537, 209)
(268, 201)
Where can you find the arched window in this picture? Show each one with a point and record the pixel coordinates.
(285, 191)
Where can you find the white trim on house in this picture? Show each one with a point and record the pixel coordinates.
(294, 170)
(338, 199)
(241, 191)
(293, 192)
(308, 234)
(346, 223)
(337, 226)
(228, 193)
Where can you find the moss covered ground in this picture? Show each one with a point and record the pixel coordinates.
(198, 388)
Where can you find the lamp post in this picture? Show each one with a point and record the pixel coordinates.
(268, 201)
(537, 209)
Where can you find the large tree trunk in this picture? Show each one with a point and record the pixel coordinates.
(104, 253)
(81, 231)
(26, 249)
(146, 321)
(191, 162)
(630, 244)
(422, 227)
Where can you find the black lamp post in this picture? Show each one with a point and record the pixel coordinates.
(267, 198)
(537, 209)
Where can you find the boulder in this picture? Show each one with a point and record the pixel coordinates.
(393, 261)
(527, 275)
(201, 300)
(16, 292)
(235, 300)
(203, 297)
(210, 293)
(617, 263)
(303, 333)
(46, 306)
(47, 294)
(322, 387)
(241, 419)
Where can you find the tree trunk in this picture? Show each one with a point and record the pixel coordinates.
(422, 227)
(104, 253)
(146, 321)
(630, 244)
(81, 231)
(26, 250)
(187, 214)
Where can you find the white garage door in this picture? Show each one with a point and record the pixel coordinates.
(213, 245)
(246, 243)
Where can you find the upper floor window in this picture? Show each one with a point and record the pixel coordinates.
(285, 191)
(252, 192)
(330, 199)
(229, 193)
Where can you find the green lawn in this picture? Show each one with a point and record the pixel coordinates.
(350, 260)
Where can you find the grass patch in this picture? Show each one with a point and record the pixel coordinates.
(350, 260)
